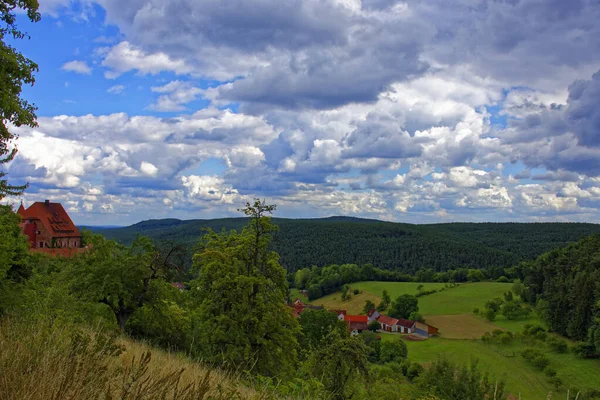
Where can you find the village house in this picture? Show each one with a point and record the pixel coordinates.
(356, 323)
(400, 325)
(373, 314)
(49, 228)
(425, 330)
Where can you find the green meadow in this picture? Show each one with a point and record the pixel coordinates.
(453, 308)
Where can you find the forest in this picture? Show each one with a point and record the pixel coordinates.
(303, 243)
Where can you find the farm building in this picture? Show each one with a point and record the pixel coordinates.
(373, 314)
(425, 330)
(401, 325)
(356, 323)
(406, 326)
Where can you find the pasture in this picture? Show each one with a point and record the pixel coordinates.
(451, 310)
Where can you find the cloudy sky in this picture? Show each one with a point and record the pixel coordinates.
(412, 111)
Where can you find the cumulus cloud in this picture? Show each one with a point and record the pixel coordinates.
(79, 67)
(176, 95)
(116, 89)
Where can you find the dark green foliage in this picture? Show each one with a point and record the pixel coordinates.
(369, 305)
(540, 362)
(449, 381)
(550, 372)
(558, 345)
(15, 71)
(341, 364)
(242, 320)
(530, 354)
(386, 245)
(585, 350)
(373, 343)
(564, 285)
(374, 326)
(404, 306)
(393, 351)
(385, 301)
(416, 316)
(316, 325)
(555, 381)
(14, 257)
(513, 309)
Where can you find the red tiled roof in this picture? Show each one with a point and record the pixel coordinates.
(384, 319)
(53, 216)
(406, 323)
(356, 318)
(371, 312)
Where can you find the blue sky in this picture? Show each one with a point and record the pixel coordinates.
(382, 109)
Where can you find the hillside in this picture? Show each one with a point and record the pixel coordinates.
(387, 245)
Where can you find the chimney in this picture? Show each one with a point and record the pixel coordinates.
(47, 202)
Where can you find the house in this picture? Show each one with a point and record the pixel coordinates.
(406, 326)
(388, 324)
(356, 323)
(425, 330)
(49, 228)
(340, 314)
(373, 314)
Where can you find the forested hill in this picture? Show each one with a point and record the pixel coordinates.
(387, 245)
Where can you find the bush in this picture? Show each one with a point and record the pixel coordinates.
(530, 354)
(356, 291)
(557, 344)
(395, 351)
(502, 279)
(584, 349)
(374, 326)
(413, 371)
(550, 372)
(532, 330)
(476, 310)
(556, 382)
(540, 362)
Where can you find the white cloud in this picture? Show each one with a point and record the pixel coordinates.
(177, 94)
(125, 57)
(116, 89)
(80, 67)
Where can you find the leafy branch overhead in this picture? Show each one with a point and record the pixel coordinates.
(15, 71)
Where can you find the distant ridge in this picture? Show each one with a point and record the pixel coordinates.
(305, 242)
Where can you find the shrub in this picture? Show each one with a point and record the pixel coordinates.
(502, 279)
(550, 372)
(489, 314)
(556, 382)
(356, 291)
(476, 310)
(557, 344)
(541, 335)
(374, 326)
(584, 349)
(532, 330)
(530, 354)
(540, 362)
(413, 371)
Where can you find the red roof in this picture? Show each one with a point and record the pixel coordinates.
(53, 216)
(356, 318)
(406, 323)
(360, 326)
(371, 312)
(338, 312)
(384, 319)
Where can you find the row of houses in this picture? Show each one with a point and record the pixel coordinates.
(359, 323)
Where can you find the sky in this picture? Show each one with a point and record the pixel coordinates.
(411, 111)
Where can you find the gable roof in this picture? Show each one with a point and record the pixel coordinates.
(356, 318)
(372, 311)
(360, 326)
(406, 323)
(384, 319)
(53, 216)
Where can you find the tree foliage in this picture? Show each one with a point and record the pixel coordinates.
(14, 256)
(404, 306)
(242, 320)
(15, 71)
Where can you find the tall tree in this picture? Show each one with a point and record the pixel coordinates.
(15, 70)
(14, 255)
(242, 320)
(403, 306)
(124, 278)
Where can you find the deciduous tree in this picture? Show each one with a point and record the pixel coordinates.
(15, 70)
(403, 306)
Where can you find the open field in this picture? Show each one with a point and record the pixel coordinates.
(521, 378)
(461, 326)
(353, 306)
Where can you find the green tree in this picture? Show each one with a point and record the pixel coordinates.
(385, 301)
(518, 288)
(317, 324)
(369, 305)
(301, 278)
(341, 363)
(374, 326)
(403, 306)
(242, 320)
(393, 351)
(125, 278)
(14, 256)
(15, 70)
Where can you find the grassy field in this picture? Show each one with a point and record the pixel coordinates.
(353, 306)
(520, 377)
(461, 326)
(451, 310)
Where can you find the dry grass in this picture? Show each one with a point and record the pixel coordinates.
(42, 361)
(353, 306)
(463, 326)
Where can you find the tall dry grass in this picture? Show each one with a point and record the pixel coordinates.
(43, 361)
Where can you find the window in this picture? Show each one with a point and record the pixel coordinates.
(41, 244)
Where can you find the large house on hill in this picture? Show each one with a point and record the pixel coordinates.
(48, 226)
